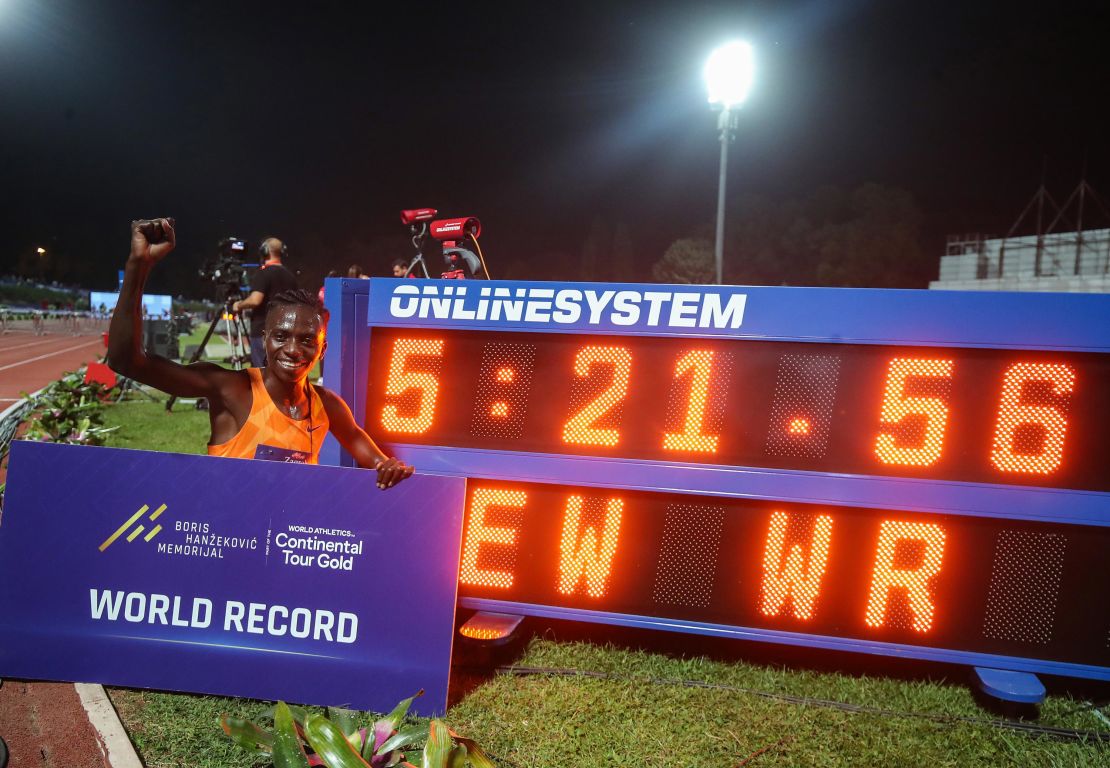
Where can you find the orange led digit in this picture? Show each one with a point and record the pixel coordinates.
(900, 412)
(400, 381)
(798, 426)
(700, 363)
(580, 428)
(478, 533)
(585, 555)
(788, 578)
(1029, 438)
(915, 580)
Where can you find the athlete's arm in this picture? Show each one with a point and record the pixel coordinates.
(352, 437)
(126, 354)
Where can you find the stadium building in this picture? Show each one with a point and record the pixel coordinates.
(1076, 261)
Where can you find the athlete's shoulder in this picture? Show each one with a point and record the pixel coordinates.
(335, 405)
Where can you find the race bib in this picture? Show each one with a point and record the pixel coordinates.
(272, 453)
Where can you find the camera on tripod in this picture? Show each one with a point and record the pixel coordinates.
(450, 239)
(226, 269)
(228, 274)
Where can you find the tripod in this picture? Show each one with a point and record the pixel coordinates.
(130, 385)
(417, 260)
(235, 333)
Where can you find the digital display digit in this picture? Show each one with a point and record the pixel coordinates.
(998, 416)
(988, 585)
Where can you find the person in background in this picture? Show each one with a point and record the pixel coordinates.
(331, 273)
(320, 297)
(267, 282)
(354, 271)
(400, 268)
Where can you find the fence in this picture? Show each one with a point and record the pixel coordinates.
(51, 322)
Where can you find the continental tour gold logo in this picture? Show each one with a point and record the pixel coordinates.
(138, 529)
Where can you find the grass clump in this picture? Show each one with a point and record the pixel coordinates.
(147, 426)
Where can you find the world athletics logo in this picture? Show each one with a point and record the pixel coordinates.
(139, 529)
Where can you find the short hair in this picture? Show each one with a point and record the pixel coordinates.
(270, 251)
(354, 271)
(399, 262)
(301, 297)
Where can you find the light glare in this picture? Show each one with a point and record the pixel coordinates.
(729, 74)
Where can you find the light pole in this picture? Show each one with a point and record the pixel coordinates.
(728, 77)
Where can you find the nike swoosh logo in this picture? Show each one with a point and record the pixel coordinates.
(313, 429)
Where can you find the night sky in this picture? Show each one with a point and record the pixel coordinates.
(318, 122)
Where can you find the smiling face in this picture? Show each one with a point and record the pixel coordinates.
(294, 341)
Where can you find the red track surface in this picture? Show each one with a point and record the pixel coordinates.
(29, 363)
(44, 724)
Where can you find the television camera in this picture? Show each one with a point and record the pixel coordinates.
(226, 269)
(228, 274)
(449, 239)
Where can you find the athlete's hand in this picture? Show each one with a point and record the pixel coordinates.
(392, 471)
(151, 240)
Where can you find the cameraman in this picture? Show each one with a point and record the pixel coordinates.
(273, 278)
(260, 412)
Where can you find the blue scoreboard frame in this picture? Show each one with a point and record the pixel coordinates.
(909, 473)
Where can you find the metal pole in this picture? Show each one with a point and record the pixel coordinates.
(725, 127)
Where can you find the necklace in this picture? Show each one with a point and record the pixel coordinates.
(295, 410)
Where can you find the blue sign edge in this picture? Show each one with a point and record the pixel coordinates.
(1016, 663)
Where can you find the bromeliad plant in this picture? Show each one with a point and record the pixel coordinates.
(67, 411)
(337, 741)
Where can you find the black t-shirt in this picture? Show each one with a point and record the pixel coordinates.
(269, 281)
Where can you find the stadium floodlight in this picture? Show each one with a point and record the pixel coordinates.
(728, 76)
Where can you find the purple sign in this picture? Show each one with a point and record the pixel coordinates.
(242, 578)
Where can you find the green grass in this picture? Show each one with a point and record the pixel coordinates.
(634, 718)
(217, 348)
(644, 715)
(183, 730)
(147, 426)
(641, 714)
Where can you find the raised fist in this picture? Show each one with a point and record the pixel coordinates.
(151, 239)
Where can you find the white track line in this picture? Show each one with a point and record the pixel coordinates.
(34, 343)
(114, 744)
(50, 354)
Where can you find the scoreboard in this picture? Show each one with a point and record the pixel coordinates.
(911, 473)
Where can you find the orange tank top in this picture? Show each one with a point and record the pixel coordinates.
(268, 426)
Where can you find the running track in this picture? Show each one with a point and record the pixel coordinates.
(28, 362)
(33, 713)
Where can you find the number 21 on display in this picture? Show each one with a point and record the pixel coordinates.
(1028, 437)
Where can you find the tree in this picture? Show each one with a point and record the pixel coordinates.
(689, 260)
(876, 245)
(868, 237)
(595, 251)
(623, 255)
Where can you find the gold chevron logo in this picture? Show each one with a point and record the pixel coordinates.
(138, 529)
